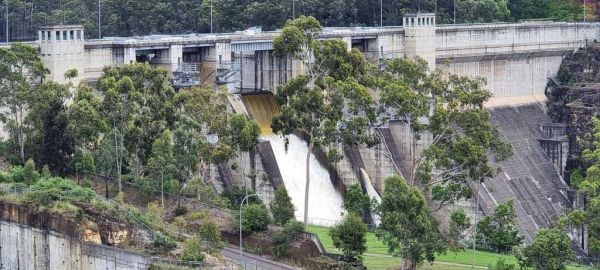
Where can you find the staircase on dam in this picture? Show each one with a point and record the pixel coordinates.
(529, 177)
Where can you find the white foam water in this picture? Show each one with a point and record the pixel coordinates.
(325, 201)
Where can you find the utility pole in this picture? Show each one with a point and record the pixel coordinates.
(6, 17)
(454, 20)
(381, 13)
(294, 9)
(211, 16)
(99, 20)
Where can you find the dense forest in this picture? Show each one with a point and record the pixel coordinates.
(142, 17)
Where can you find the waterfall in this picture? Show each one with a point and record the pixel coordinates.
(325, 201)
(372, 193)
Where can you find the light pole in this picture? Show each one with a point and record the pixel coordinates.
(211, 16)
(454, 21)
(381, 13)
(99, 20)
(6, 15)
(294, 9)
(241, 242)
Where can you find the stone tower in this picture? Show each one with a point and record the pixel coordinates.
(419, 36)
(62, 49)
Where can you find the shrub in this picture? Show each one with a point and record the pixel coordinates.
(350, 236)
(192, 250)
(211, 236)
(4, 177)
(46, 192)
(164, 242)
(30, 175)
(282, 207)
(154, 215)
(501, 265)
(550, 250)
(235, 194)
(284, 237)
(180, 211)
(280, 245)
(255, 217)
(357, 201)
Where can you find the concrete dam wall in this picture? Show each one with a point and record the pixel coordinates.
(529, 177)
(23, 248)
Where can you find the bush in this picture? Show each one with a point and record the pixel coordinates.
(282, 207)
(284, 237)
(180, 211)
(357, 201)
(550, 250)
(192, 250)
(46, 192)
(350, 236)
(154, 215)
(501, 265)
(235, 194)
(211, 236)
(255, 218)
(30, 175)
(164, 242)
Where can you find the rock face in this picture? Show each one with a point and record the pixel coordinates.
(574, 99)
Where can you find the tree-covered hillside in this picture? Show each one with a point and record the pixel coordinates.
(142, 17)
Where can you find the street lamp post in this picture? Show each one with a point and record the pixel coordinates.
(99, 20)
(454, 20)
(211, 16)
(7, 34)
(381, 13)
(241, 241)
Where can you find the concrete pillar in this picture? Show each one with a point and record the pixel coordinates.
(348, 41)
(223, 53)
(175, 56)
(129, 56)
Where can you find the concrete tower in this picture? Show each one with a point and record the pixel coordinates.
(62, 49)
(419, 35)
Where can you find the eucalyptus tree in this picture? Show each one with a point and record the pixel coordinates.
(138, 105)
(162, 164)
(86, 126)
(330, 101)
(408, 226)
(21, 73)
(49, 141)
(463, 142)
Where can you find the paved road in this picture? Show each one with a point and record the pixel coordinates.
(253, 261)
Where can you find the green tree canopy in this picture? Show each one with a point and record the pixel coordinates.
(350, 236)
(449, 110)
(282, 207)
(408, 226)
(500, 230)
(356, 201)
(330, 103)
(551, 250)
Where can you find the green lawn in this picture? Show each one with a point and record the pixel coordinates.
(376, 256)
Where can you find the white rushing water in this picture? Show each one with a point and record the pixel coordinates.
(372, 193)
(325, 202)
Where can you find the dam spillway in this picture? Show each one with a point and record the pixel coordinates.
(325, 201)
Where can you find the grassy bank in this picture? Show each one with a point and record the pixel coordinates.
(377, 257)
